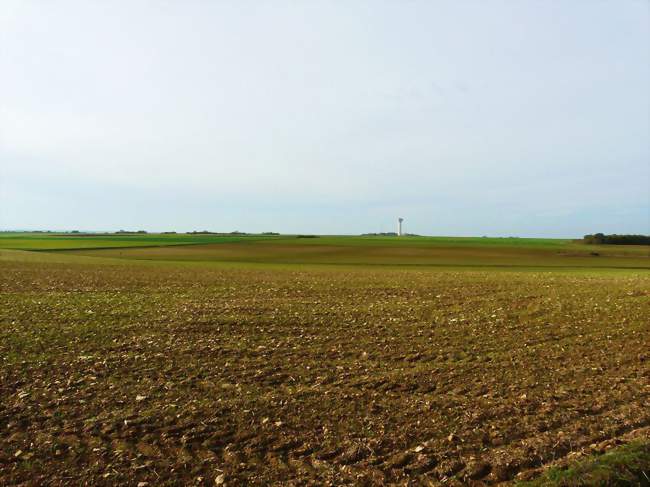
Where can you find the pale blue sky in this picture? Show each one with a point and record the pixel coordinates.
(517, 117)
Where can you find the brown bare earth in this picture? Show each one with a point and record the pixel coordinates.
(186, 374)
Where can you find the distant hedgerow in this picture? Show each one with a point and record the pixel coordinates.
(599, 238)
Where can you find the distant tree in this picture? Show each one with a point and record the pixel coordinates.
(380, 234)
(602, 239)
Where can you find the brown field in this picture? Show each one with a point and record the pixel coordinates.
(180, 374)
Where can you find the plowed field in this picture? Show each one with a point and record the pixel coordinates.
(187, 374)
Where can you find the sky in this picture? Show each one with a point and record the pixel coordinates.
(486, 117)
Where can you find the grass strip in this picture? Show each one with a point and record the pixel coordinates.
(626, 465)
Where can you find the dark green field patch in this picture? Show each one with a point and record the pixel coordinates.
(459, 252)
(341, 251)
(52, 242)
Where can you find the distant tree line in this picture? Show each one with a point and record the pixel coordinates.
(387, 234)
(600, 238)
(208, 232)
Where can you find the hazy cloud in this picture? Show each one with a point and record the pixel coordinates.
(488, 117)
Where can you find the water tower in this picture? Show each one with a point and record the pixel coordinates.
(399, 226)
